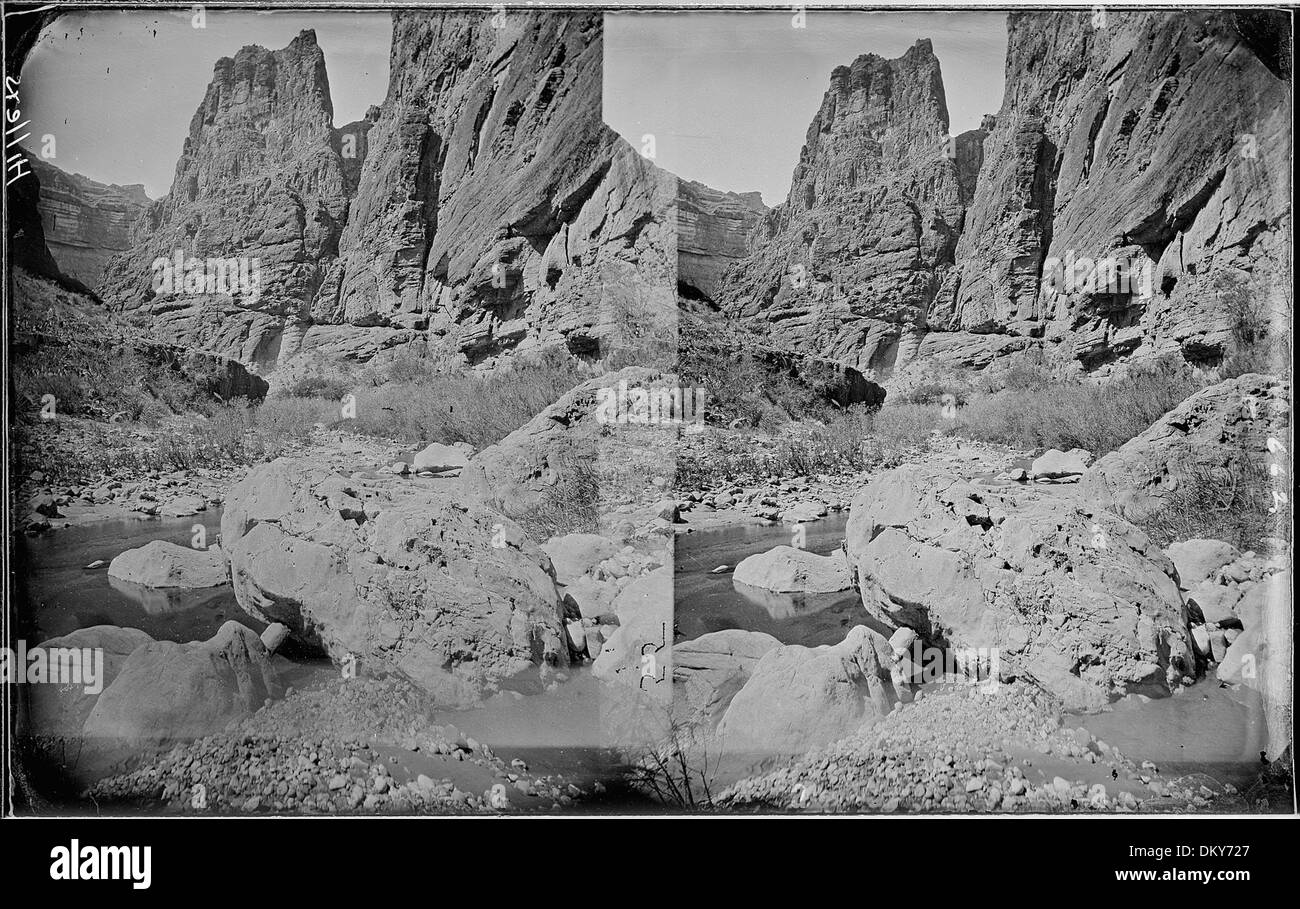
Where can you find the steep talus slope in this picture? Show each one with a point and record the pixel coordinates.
(260, 178)
(496, 212)
(85, 222)
(848, 266)
(1160, 139)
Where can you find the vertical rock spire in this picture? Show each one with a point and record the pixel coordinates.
(259, 182)
(848, 265)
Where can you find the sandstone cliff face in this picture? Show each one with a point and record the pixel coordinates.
(27, 246)
(85, 222)
(1154, 147)
(54, 315)
(713, 229)
(1160, 139)
(496, 213)
(848, 266)
(260, 178)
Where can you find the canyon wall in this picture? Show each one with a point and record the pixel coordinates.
(496, 213)
(1128, 201)
(1129, 198)
(713, 229)
(85, 222)
(483, 209)
(54, 317)
(848, 265)
(259, 178)
(1157, 141)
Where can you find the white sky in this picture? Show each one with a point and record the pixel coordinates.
(117, 88)
(729, 95)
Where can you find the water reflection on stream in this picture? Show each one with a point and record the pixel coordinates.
(705, 602)
(1205, 728)
(62, 595)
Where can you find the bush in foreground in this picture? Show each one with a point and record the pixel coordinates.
(1077, 414)
(429, 404)
(233, 433)
(1218, 501)
(571, 505)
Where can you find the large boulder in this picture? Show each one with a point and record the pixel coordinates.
(166, 692)
(800, 697)
(708, 671)
(1261, 656)
(439, 458)
(593, 599)
(1055, 464)
(1257, 598)
(1196, 560)
(803, 512)
(1069, 594)
(1231, 420)
(1216, 602)
(548, 460)
(575, 554)
(638, 652)
(183, 506)
(163, 564)
(59, 712)
(405, 575)
(789, 570)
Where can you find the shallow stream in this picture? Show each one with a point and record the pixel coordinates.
(1205, 728)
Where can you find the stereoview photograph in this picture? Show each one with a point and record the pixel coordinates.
(506, 410)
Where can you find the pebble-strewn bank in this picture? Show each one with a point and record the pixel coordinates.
(352, 746)
(968, 751)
